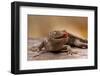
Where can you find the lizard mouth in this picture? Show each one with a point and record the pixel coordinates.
(65, 35)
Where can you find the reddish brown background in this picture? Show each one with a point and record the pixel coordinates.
(39, 26)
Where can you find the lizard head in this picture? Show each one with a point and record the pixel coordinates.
(58, 34)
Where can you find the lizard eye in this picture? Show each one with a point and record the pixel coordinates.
(54, 32)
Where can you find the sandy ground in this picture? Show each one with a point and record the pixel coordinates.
(81, 53)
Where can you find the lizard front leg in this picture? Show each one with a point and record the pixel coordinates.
(38, 50)
(68, 50)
